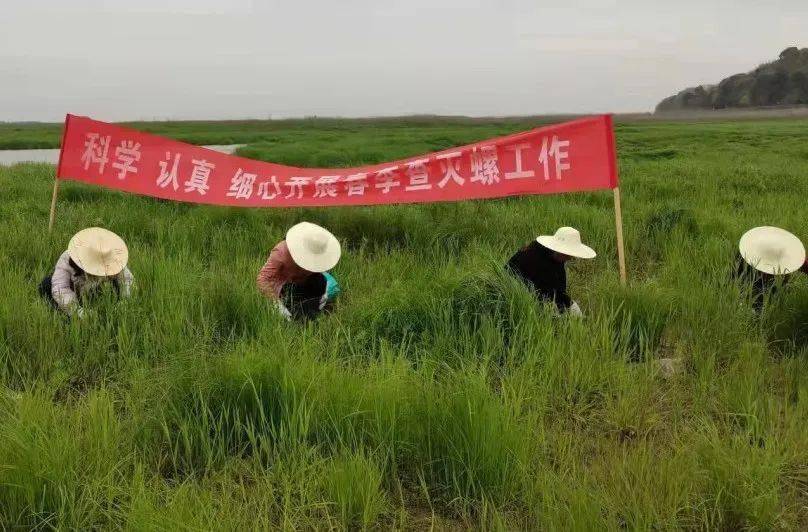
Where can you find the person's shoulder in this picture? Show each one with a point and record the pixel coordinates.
(534, 248)
(280, 247)
(524, 250)
(65, 260)
(66, 264)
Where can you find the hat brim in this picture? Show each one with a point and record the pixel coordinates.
(579, 251)
(752, 250)
(81, 249)
(312, 262)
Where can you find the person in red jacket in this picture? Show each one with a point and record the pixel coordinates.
(296, 275)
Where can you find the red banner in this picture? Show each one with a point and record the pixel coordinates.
(572, 156)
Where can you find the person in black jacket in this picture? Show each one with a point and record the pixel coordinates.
(541, 266)
(764, 254)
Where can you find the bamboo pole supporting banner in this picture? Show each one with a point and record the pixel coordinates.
(53, 204)
(618, 223)
(55, 194)
(618, 212)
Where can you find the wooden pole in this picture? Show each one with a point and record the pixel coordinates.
(618, 223)
(58, 173)
(53, 204)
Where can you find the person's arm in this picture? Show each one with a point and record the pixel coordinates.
(125, 280)
(517, 266)
(559, 288)
(62, 286)
(268, 276)
(562, 300)
(530, 269)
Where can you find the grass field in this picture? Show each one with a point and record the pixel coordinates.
(34, 135)
(439, 394)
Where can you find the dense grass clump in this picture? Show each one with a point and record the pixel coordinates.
(439, 394)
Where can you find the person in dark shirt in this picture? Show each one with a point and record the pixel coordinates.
(541, 266)
(764, 254)
(306, 299)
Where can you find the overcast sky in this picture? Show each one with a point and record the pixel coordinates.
(158, 59)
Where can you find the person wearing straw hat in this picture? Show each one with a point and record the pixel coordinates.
(296, 276)
(766, 254)
(94, 257)
(541, 265)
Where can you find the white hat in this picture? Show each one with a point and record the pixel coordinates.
(772, 250)
(98, 251)
(313, 248)
(567, 240)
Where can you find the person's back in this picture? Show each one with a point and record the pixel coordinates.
(547, 277)
(279, 269)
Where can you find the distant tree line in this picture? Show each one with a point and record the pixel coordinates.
(781, 82)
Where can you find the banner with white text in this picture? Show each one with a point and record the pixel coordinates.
(573, 156)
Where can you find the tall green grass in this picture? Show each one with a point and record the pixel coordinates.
(439, 394)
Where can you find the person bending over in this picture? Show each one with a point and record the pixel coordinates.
(296, 276)
(541, 266)
(764, 254)
(95, 257)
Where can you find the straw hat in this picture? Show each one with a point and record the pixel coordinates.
(313, 248)
(98, 251)
(567, 240)
(772, 250)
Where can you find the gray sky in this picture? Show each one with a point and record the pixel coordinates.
(157, 59)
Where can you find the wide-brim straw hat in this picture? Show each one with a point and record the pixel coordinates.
(567, 240)
(772, 250)
(312, 247)
(98, 251)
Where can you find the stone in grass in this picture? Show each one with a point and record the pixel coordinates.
(669, 367)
